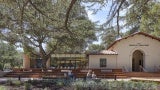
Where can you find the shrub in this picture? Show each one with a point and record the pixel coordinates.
(50, 82)
(27, 86)
(9, 82)
(113, 85)
(17, 83)
(3, 88)
(1, 66)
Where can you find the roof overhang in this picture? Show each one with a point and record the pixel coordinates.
(137, 33)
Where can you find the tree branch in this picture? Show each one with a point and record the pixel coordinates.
(22, 12)
(118, 29)
(53, 48)
(114, 13)
(68, 13)
(41, 12)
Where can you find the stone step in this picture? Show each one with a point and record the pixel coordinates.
(142, 74)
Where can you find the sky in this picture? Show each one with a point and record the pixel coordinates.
(99, 17)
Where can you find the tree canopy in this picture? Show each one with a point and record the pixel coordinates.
(129, 16)
(43, 27)
(59, 25)
(9, 56)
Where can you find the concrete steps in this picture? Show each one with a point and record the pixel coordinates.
(31, 74)
(117, 74)
(142, 74)
(112, 75)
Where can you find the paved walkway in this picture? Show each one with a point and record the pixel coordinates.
(22, 79)
(155, 79)
(26, 79)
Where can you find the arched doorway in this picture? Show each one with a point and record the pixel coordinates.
(137, 60)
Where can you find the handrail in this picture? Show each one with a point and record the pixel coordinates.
(156, 68)
(125, 69)
(142, 69)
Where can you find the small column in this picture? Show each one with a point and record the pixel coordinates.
(48, 64)
(75, 64)
(26, 61)
(69, 64)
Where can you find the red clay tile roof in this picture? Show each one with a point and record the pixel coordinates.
(140, 33)
(105, 52)
(108, 52)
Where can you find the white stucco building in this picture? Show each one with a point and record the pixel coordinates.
(132, 53)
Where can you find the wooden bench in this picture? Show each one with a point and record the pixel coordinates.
(57, 75)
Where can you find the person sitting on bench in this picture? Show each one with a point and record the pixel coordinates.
(70, 74)
(89, 75)
(93, 75)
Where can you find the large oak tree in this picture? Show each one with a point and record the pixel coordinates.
(35, 24)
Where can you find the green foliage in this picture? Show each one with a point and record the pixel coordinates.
(1, 66)
(50, 82)
(136, 10)
(3, 88)
(27, 86)
(114, 85)
(14, 82)
(109, 36)
(95, 48)
(143, 15)
(150, 21)
(9, 56)
(45, 27)
(134, 16)
(9, 82)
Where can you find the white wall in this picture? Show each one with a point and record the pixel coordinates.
(94, 61)
(125, 51)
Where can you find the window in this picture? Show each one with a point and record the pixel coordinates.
(103, 62)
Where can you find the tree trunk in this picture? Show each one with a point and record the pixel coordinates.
(44, 62)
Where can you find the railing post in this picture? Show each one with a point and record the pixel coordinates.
(125, 69)
(115, 77)
(142, 69)
(19, 77)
